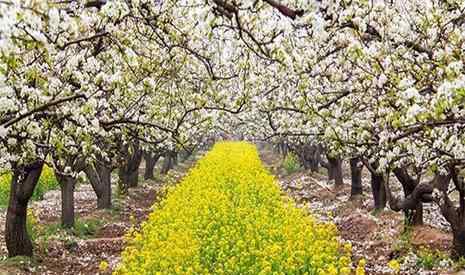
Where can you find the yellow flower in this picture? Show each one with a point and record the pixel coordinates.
(348, 247)
(360, 270)
(103, 266)
(228, 216)
(394, 265)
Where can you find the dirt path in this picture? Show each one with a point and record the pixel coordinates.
(99, 234)
(378, 238)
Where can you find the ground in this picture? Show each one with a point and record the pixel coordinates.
(376, 237)
(99, 234)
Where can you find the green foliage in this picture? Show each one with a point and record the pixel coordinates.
(116, 205)
(46, 183)
(85, 228)
(428, 259)
(291, 163)
(49, 230)
(403, 245)
(32, 225)
(459, 264)
(18, 261)
(5, 180)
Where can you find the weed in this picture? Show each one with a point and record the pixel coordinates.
(404, 243)
(291, 163)
(428, 259)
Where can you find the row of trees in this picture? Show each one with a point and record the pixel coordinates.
(379, 84)
(85, 85)
(92, 87)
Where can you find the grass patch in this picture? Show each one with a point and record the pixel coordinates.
(83, 229)
(19, 262)
(404, 245)
(291, 163)
(86, 228)
(429, 259)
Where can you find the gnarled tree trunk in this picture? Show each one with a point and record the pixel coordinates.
(23, 183)
(453, 214)
(129, 170)
(100, 179)
(412, 204)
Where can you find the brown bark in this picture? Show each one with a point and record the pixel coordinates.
(168, 163)
(23, 183)
(100, 179)
(67, 185)
(328, 167)
(150, 162)
(454, 215)
(458, 242)
(335, 166)
(315, 157)
(379, 193)
(414, 194)
(128, 178)
(104, 198)
(356, 189)
(310, 156)
(129, 170)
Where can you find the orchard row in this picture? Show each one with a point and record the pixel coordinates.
(88, 85)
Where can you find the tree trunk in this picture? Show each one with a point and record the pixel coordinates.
(67, 185)
(187, 154)
(150, 162)
(315, 158)
(379, 192)
(283, 148)
(356, 189)
(329, 169)
(23, 183)
(128, 178)
(167, 163)
(129, 171)
(175, 158)
(100, 180)
(458, 242)
(123, 186)
(104, 198)
(335, 165)
(414, 215)
(133, 178)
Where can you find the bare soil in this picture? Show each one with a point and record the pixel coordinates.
(376, 237)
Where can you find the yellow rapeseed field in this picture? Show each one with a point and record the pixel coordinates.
(228, 216)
